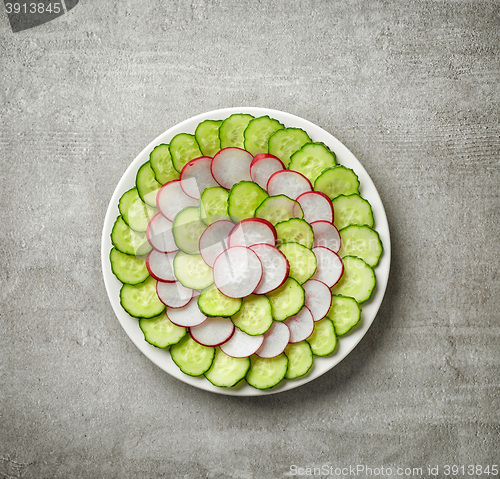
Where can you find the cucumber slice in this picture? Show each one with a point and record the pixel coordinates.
(187, 230)
(146, 184)
(287, 300)
(352, 210)
(258, 132)
(129, 241)
(276, 209)
(213, 303)
(140, 300)
(311, 160)
(160, 331)
(231, 130)
(129, 269)
(323, 340)
(345, 313)
(302, 261)
(255, 315)
(183, 149)
(300, 359)
(245, 197)
(207, 137)
(295, 230)
(227, 371)
(283, 143)
(337, 181)
(214, 205)
(192, 271)
(361, 241)
(358, 280)
(161, 164)
(134, 211)
(191, 357)
(264, 373)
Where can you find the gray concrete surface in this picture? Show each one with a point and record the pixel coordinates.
(411, 87)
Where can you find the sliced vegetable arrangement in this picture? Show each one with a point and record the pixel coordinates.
(245, 250)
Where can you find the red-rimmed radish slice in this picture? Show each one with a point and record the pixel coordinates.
(263, 166)
(171, 199)
(161, 266)
(326, 235)
(288, 183)
(252, 231)
(188, 316)
(275, 267)
(318, 298)
(301, 325)
(275, 341)
(196, 176)
(237, 272)
(230, 166)
(329, 266)
(242, 345)
(213, 241)
(173, 295)
(213, 331)
(159, 234)
(316, 206)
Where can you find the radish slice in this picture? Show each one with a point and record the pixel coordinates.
(161, 266)
(329, 266)
(196, 176)
(159, 234)
(173, 295)
(318, 298)
(213, 241)
(171, 199)
(275, 267)
(188, 316)
(301, 325)
(316, 206)
(326, 235)
(263, 166)
(288, 183)
(252, 231)
(213, 331)
(237, 272)
(230, 166)
(242, 345)
(275, 341)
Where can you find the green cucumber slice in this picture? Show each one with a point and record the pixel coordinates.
(300, 359)
(352, 210)
(276, 209)
(255, 316)
(207, 137)
(323, 339)
(146, 184)
(187, 230)
(231, 130)
(129, 269)
(191, 357)
(213, 303)
(258, 132)
(361, 241)
(183, 149)
(192, 271)
(129, 241)
(266, 373)
(287, 300)
(245, 197)
(227, 371)
(214, 205)
(358, 280)
(283, 143)
(345, 313)
(140, 300)
(134, 211)
(311, 160)
(302, 261)
(337, 181)
(295, 230)
(161, 164)
(160, 331)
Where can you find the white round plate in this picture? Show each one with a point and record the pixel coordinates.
(345, 344)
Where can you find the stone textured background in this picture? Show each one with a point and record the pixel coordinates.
(411, 87)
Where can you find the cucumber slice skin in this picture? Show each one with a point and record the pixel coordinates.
(272, 209)
(212, 302)
(337, 181)
(258, 132)
(295, 230)
(134, 211)
(140, 300)
(160, 331)
(183, 148)
(255, 315)
(207, 137)
(218, 373)
(292, 293)
(186, 351)
(356, 270)
(127, 240)
(352, 210)
(361, 241)
(231, 131)
(129, 269)
(345, 313)
(302, 261)
(184, 263)
(187, 230)
(244, 198)
(323, 340)
(266, 373)
(285, 142)
(147, 185)
(312, 160)
(214, 205)
(300, 359)
(161, 164)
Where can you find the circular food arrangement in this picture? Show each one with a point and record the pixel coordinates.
(241, 254)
